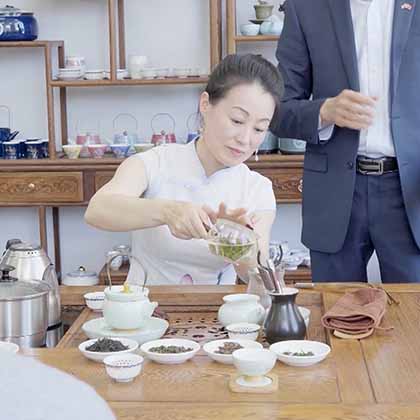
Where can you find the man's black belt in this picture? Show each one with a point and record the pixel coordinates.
(379, 166)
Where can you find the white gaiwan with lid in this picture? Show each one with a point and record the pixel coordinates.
(127, 310)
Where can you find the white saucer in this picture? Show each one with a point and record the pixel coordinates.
(155, 328)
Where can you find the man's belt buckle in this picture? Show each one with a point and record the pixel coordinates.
(371, 167)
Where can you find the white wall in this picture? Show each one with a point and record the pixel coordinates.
(170, 33)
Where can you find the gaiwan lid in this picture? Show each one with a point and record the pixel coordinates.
(127, 293)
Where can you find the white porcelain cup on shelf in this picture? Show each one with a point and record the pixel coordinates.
(136, 64)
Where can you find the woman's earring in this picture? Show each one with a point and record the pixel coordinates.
(256, 156)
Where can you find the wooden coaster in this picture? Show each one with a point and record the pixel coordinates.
(340, 334)
(272, 387)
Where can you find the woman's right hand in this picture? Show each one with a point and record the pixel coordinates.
(187, 220)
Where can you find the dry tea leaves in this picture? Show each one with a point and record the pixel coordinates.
(170, 349)
(299, 353)
(228, 348)
(104, 345)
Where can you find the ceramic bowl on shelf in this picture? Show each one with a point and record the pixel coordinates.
(300, 353)
(97, 151)
(181, 71)
(95, 300)
(170, 358)
(81, 277)
(124, 367)
(212, 349)
(69, 74)
(149, 72)
(72, 151)
(8, 347)
(97, 356)
(161, 73)
(143, 147)
(120, 150)
(94, 74)
(121, 74)
(250, 29)
(243, 331)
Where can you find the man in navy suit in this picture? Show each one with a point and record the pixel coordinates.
(352, 92)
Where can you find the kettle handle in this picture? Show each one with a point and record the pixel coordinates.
(115, 254)
(11, 242)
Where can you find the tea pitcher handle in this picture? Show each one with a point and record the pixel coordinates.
(111, 257)
(197, 116)
(125, 114)
(163, 114)
(6, 107)
(98, 126)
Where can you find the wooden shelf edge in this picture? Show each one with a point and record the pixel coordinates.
(30, 44)
(257, 38)
(265, 161)
(130, 82)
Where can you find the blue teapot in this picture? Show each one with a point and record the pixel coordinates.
(6, 134)
(126, 136)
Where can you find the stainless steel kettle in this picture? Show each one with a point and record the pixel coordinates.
(33, 264)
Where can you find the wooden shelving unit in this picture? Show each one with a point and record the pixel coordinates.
(117, 59)
(29, 190)
(47, 47)
(232, 38)
(130, 82)
(258, 38)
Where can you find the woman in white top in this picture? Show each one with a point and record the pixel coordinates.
(168, 195)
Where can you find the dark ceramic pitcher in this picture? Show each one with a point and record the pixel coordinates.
(284, 320)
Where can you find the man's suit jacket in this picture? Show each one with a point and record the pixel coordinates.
(317, 56)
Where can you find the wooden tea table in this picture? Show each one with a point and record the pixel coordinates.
(377, 378)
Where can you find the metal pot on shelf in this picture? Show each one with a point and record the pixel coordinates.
(23, 309)
(31, 263)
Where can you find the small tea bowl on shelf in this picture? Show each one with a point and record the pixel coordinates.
(97, 151)
(72, 151)
(120, 150)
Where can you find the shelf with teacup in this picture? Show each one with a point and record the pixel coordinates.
(265, 27)
(31, 44)
(130, 82)
(257, 38)
(47, 46)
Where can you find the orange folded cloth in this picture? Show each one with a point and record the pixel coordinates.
(357, 312)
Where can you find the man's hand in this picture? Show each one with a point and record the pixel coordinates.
(349, 109)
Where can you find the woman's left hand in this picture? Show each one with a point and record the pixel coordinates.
(239, 215)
